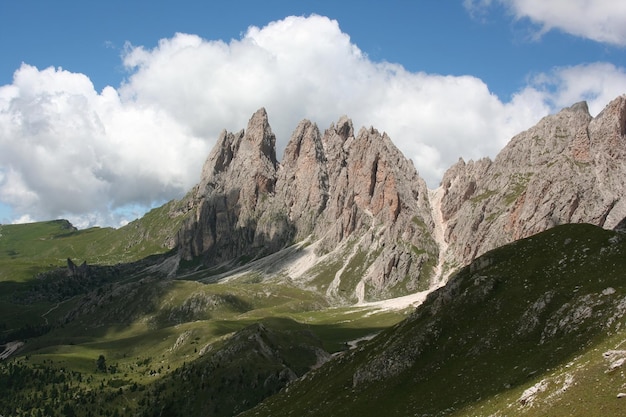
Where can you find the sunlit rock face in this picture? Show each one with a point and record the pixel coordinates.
(356, 197)
(335, 188)
(569, 168)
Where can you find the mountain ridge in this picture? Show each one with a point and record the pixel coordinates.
(568, 168)
(266, 270)
(342, 188)
(355, 196)
(338, 188)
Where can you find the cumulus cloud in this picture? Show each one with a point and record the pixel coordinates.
(308, 68)
(598, 20)
(103, 157)
(70, 151)
(597, 83)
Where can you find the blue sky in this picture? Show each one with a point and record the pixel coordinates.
(109, 108)
(423, 35)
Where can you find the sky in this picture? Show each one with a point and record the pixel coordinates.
(108, 109)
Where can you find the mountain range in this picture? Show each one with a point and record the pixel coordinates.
(354, 196)
(289, 287)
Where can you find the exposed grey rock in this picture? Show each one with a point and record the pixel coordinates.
(237, 179)
(74, 270)
(337, 189)
(360, 200)
(376, 194)
(303, 185)
(569, 168)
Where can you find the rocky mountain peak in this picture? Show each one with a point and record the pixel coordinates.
(607, 131)
(569, 168)
(303, 179)
(344, 128)
(549, 138)
(354, 196)
(581, 106)
(305, 145)
(259, 135)
(237, 178)
(252, 150)
(333, 141)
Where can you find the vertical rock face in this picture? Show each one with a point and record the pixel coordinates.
(569, 168)
(354, 195)
(366, 212)
(303, 186)
(376, 194)
(237, 178)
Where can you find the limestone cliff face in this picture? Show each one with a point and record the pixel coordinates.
(302, 190)
(237, 178)
(375, 193)
(569, 168)
(356, 196)
(363, 210)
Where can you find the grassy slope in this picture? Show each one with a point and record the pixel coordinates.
(520, 314)
(155, 332)
(27, 250)
(152, 330)
(164, 336)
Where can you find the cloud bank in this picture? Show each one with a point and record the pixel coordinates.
(598, 20)
(104, 157)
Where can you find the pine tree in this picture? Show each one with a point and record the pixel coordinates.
(101, 363)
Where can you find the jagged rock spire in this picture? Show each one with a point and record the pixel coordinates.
(358, 198)
(332, 188)
(569, 168)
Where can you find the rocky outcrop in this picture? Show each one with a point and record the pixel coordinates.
(376, 193)
(356, 196)
(569, 168)
(362, 206)
(74, 270)
(237, 178)
(302, 190)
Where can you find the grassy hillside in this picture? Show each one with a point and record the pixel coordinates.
(537, 315)
(127, 338)
(28, 252)
(532, 328)
(177, 348)
(28, 249)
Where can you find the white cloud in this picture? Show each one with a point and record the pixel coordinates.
(597, 83)
(307, 68)
(69, 151)
(98, 158)
(25, 218)
(598, 20)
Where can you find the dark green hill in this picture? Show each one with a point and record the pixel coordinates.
(27, 249)
(34, 259)
(507, 330)
(113, 338)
